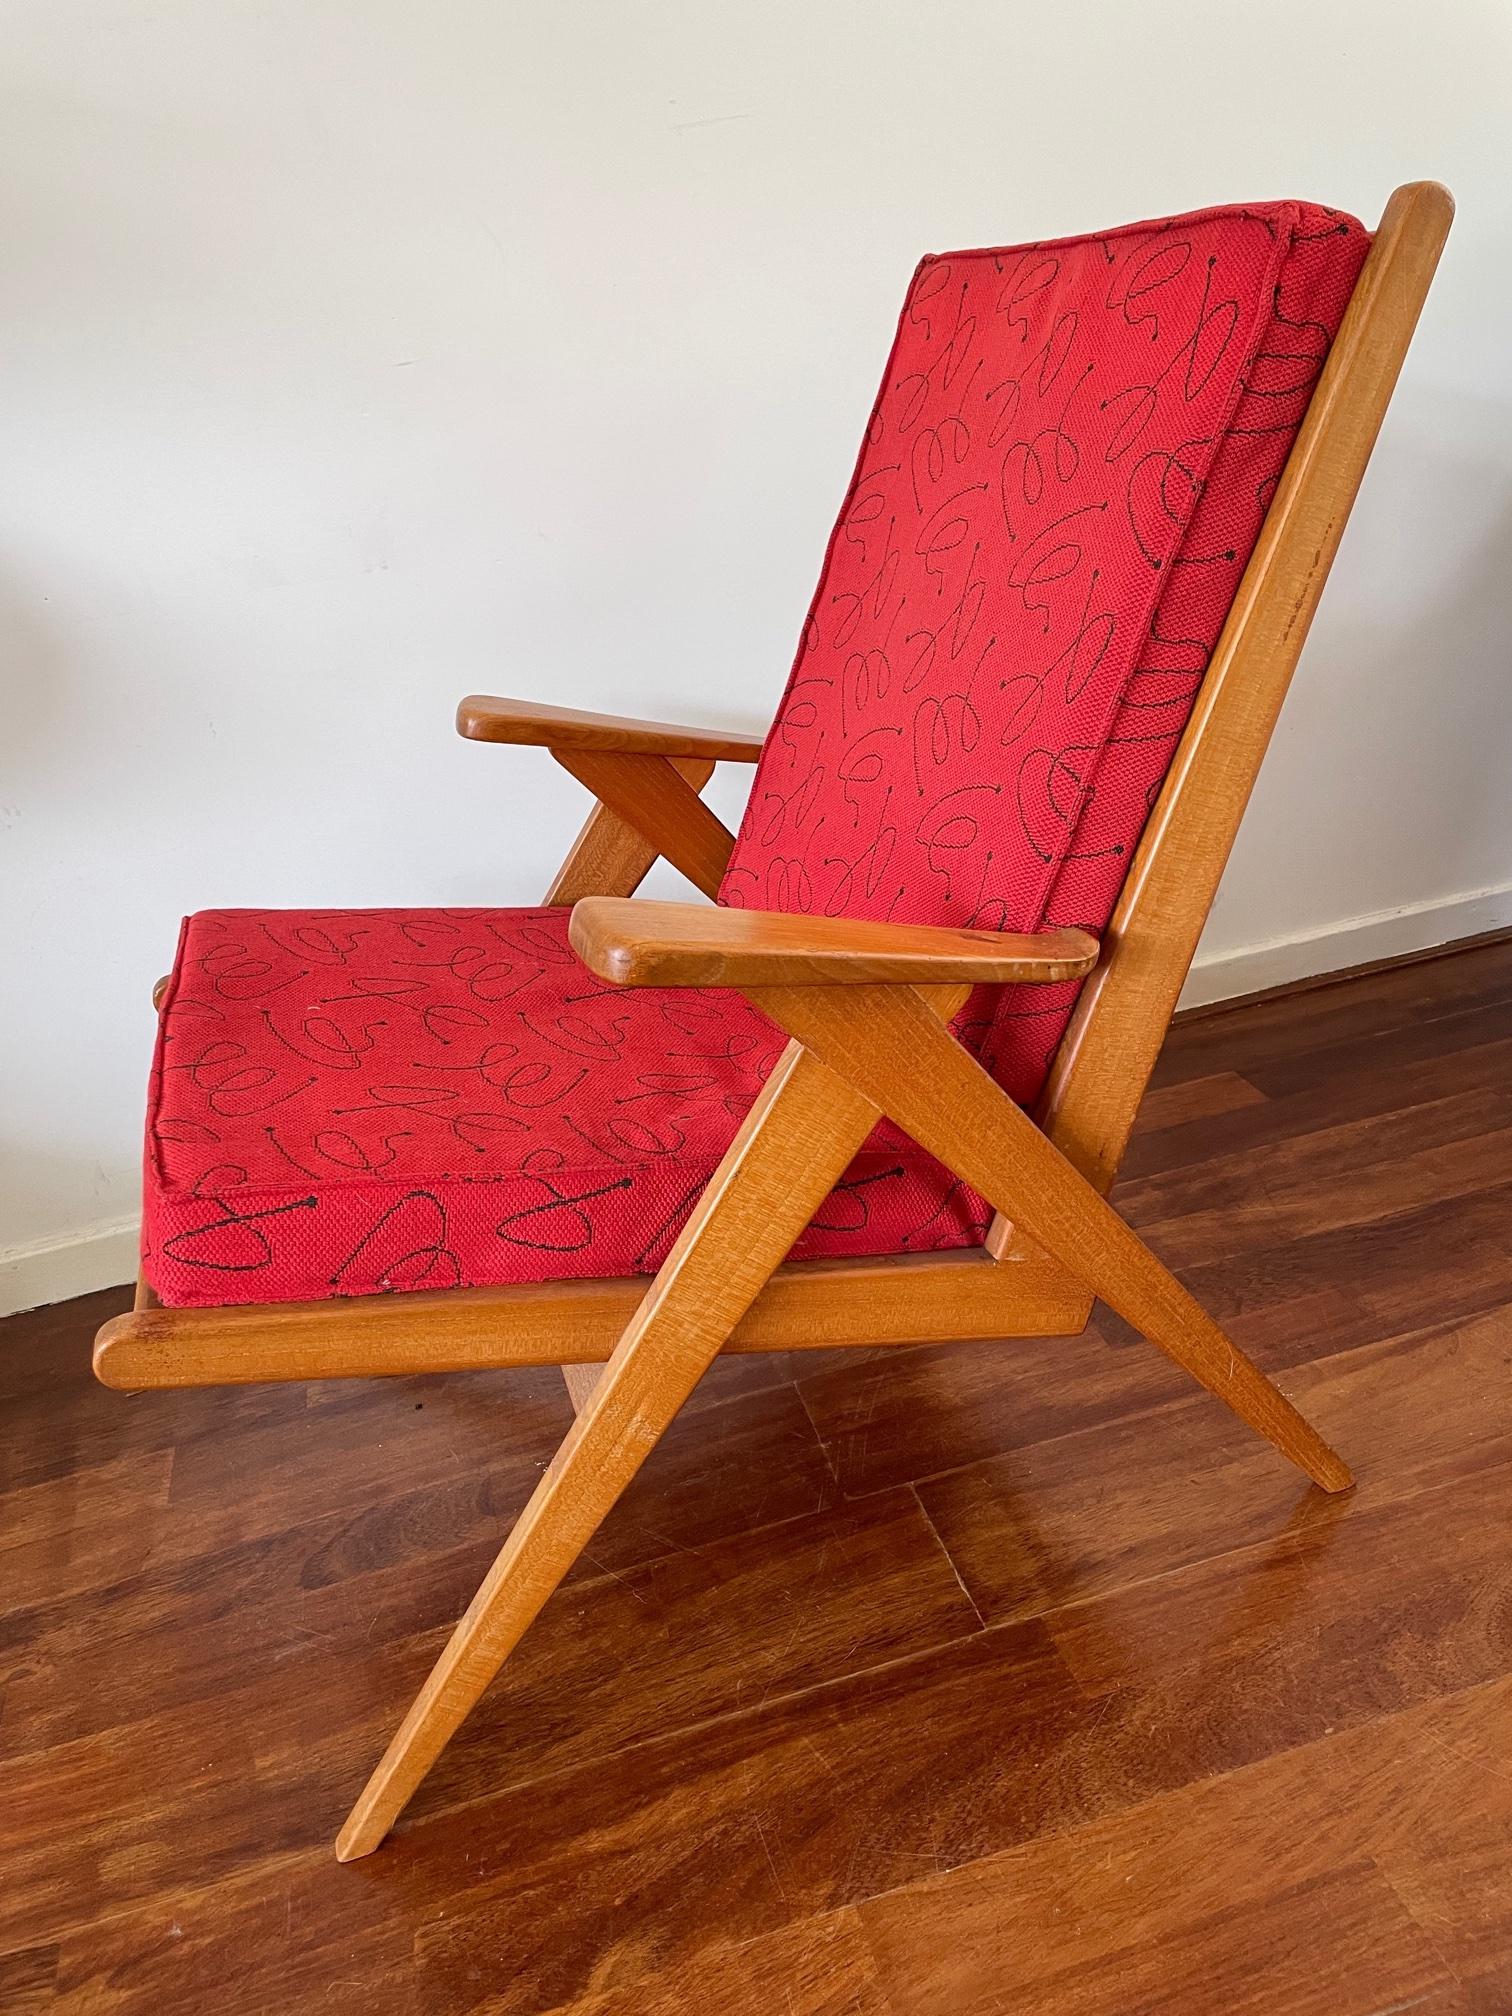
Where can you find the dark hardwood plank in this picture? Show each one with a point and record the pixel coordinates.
(916, 1413)
(1069, 1921)
(706, 1633)
(1135, 1498)
(290, 1948)
(83, 1530)
(27, 1980)
(39, 1352)
(818, 1968)
(1352, 1588)
(1350, 1012)
(1340, 1945)
(906, 1415)
(1485, 1995)
(1338, 1176)
(1307, 1214)
(1168, 1108)
(360, 1447)
(827, 1799)
(1443, 1261)
(90, 1826)
(1359, 1086)
(699, 1634)
(68, 1425)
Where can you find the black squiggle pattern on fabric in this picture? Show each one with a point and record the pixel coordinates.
(1062, 479)
(304, 1145)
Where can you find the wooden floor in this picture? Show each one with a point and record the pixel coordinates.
(996, 1679)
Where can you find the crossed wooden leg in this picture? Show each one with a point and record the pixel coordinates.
(861, 1050)
(794, 1144)
(611, 857)
(889, 1044)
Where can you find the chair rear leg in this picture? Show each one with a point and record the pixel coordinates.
(794, 1144)
(893, 1047)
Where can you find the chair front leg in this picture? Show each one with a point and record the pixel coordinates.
(791, 1149)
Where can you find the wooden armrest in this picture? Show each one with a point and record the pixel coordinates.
(635, 944)
(482, 718)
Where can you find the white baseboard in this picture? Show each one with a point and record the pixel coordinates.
(106, 1255)
(1383, 934)
(54, 1270)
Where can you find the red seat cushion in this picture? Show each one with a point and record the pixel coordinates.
(350, 1101)
(1067, 466)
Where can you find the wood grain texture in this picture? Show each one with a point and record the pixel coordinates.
(822, 1966)
(794, 1143)
(609, 857)
(580, 1381)
(759, 1752)
(686, 945)
(483, 718)
(811, 1305)
(651, 795)
(1281, 1880)
(891, 1045)
(1028, 1529)
(1108, 1051)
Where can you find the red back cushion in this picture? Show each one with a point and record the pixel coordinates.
(1064, 474)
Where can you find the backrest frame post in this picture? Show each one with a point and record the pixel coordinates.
(1108, 1052)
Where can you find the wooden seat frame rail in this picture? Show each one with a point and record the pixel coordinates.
(866, 1009)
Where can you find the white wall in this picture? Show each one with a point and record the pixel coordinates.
(357, 355)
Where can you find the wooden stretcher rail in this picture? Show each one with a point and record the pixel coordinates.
(807, 1306)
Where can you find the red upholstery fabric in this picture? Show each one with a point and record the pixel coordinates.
(350, 1101)
(1063, 477)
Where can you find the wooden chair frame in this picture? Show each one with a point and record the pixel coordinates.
(866, 1008)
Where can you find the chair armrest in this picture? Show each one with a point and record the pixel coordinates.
(482, 718)
(635, 944)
